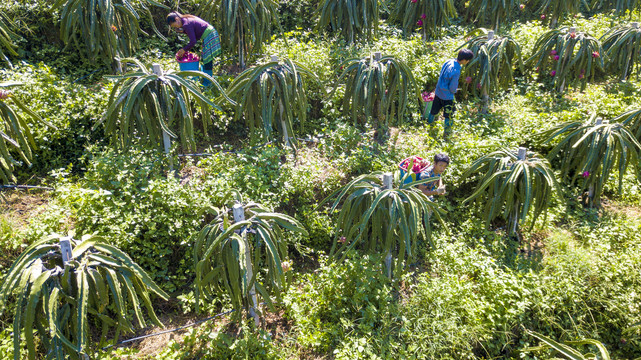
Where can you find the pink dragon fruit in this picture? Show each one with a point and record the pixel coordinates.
(188, 57)
(427, 97)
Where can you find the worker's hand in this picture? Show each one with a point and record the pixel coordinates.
(180, 53)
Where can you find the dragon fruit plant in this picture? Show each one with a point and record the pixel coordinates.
(619, 6)
(492, 12)
(378, 219)
(252, 22)
(557, 8)
(143, 105)
(97, 288)
(377, 89)
(493, 65)
(590, 151)
(271, 97)
(632, 120)
(511, 188)
(14, 131)
(107, 29)
(573, 57)
(354, 19)
(429, 16)
(6, 38)
(622, 48)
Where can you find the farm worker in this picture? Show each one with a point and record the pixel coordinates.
(196, 29)
(436, 187)
(446, 88)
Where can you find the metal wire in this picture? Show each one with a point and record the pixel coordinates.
(15, 187)
(168, 331)
(172, 330)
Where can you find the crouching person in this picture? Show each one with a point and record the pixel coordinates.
(436, 187)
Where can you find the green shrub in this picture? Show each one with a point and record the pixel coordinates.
(151, 217)
(71, 108)
(351, 298)
(209, 343)
(465, 307)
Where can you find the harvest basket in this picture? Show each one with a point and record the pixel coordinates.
(414, 176)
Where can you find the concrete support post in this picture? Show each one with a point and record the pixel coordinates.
(239, 215)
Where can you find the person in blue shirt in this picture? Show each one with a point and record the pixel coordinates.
(436, 187)
(446, 88)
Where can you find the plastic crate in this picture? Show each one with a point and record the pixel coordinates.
(189, 66)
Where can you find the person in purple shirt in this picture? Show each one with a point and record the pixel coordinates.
(196, 28)
(446, 88)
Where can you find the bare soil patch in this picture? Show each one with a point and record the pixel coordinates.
(20, 206)
(621, 209)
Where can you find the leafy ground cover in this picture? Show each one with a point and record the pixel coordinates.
(472, 295)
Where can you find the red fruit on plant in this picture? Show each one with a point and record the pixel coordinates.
(419, 23)
(522, 6)
(572, 35)
(582, 71)
(188, 57)
(478, 86)
(423, 16)
(553, 52)
(556, 57)
(468, 80)
(581, 76)
(414, 1)
(595, 54)
(543, 17)
(553, 73)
